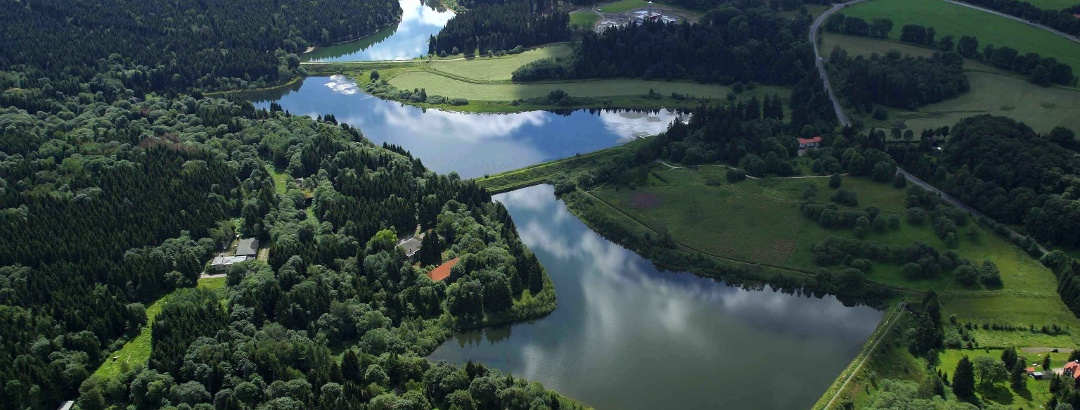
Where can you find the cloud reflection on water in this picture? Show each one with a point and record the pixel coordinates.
(626, 335)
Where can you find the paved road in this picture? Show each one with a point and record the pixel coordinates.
(847, 123)
(1033, 24)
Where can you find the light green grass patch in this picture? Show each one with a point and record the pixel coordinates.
(865, 46)
(623, 6)
(584, 19)
(136, 352)
(498, 68)
(955, 20)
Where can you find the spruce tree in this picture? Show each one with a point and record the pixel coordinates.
(963, 383)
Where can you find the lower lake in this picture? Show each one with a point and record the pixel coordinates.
(628, 336)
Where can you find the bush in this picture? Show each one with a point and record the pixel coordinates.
(835, 181)
(846, 197)
(880, 114)
(916, 216)
(967, 275)
(735, 175)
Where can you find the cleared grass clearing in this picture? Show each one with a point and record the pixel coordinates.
(623, 6)
(1040, 108)
(951, 19)
(1035, 394)
(137, 351)
(498, 68)
(436, 84)
(584, 19)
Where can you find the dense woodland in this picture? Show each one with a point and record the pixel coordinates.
(172, 179)
(174, 45)
(1040, 70)
(898, 80)
(496, 26)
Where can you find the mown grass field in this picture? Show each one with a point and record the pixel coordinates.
(1036, 392)
(951, 19)
(137, 351)
(498, 68)
(623, 6)
(584, 19)
(992, 92)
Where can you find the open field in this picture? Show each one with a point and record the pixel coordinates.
(992, 92)
(1036, 392)
(951, 19)
(498, 68)
(137, 351)
(584, 19)
(623, 6)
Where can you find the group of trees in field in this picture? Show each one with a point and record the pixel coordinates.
(497, 26)
(1060, 20)
(898, 80)
(174, 45)
(1040, 70)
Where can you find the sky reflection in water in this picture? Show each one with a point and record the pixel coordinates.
(627, 336)
(470, 144)
(406, 41)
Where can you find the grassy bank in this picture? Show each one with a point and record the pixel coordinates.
(992, 92)
(486, 83)
(957, 21)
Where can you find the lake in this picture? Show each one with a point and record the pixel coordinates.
(628, 336)
(409, 39)
(470, 144)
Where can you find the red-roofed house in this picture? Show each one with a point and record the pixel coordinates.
(1072, 369)
(809, 142)
(443, 271)
(1076, 15)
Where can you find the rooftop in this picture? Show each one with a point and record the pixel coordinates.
(410, 246)
(228, 260)
(247, 247)
(443, 271)
(809, 140)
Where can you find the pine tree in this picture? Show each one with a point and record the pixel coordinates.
(963, 383)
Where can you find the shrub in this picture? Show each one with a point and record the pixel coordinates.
(916, 216)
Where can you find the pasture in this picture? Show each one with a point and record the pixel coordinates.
(584, 19)
(992, 91)
(957, 21)
(497, 68)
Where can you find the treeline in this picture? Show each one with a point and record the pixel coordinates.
(776, 5)
(898, 80)
(1060, 20)
(173, 45)
(721, 48)
(1040, 70)
(495, 26)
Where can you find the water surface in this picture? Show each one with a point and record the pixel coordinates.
(470, 144)
(407, 40)
(627, 336)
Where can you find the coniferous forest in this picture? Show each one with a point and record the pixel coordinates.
(494, 26)
(176, 46)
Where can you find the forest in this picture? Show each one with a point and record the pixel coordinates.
(496, 26)
(172, 179)
(898, 80)
(175, 46)
(1040, 70)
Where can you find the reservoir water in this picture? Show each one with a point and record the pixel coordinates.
(409, 39)
(627, 336)
(470, 144)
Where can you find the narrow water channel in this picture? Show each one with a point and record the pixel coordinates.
(627, 336)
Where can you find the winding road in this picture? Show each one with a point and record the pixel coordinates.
(840, 115)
